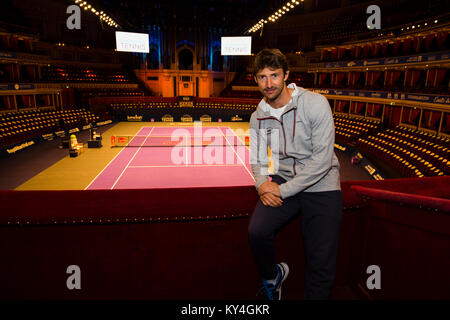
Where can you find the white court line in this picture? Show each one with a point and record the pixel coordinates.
(108, 164)
(187, 153)
(251, 175)
(132, 158)
(243, 143)
(192, 165)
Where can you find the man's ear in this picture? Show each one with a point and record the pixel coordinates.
(286, 76)
(254, 77)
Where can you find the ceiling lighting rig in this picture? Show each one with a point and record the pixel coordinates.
(102, 16)
(277, 15)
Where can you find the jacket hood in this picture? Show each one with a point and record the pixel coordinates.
(263, 107)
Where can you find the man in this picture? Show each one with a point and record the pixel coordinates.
(298, 126)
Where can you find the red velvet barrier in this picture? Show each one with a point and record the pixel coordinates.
(408, 238)
(436, 204)
(176, 243)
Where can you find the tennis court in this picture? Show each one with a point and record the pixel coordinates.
(163, 157)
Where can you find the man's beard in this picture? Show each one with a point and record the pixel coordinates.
(276, 97)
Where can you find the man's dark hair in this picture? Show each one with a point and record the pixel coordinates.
(270, 58)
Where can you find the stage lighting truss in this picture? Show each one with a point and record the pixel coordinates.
(101, 15)
(288, 6)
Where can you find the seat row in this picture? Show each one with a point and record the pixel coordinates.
(22, 126)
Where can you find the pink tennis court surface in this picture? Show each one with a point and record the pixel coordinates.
(146, 164)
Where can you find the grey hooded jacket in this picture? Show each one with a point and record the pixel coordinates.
(302, 140)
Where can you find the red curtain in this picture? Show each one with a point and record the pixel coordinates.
(406, 47)
(356, 76)
(431, 78)
(415, 75)
(10, 70)
(334, 54)
(435, 117)
(416, 43)
(414, 114)
(408, 77)
(441, 38)
(339, 76)
(46, 100)
(440, 75)
(366, 51)
(376, 50)
(376, 108)
(360, 106)
(13, 42)
(6, 102)
(353, 52)
(341, 104)
(392, 77)
(356, 52)
(428, 40)
(447, 122)
(341, 52)
(389, 78)
(373, 108)
(4, 40)
(384, 48)
(350, 79)
(28, 45)
(396, 76)
(322, 77)
(372, 77)
(376, 76)
(430, 119)
(31, 72)
(396, 48)
(353, 107)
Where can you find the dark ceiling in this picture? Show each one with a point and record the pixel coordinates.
(235, 16)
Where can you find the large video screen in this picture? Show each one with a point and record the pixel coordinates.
(236, 46)
(132, 42)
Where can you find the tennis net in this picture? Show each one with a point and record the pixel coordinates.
(179, 141)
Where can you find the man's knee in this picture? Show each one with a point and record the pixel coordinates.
(258, 231)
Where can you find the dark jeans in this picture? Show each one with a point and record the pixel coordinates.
(321, 218)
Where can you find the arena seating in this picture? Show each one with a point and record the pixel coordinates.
(389, 80)
(55, 73)
(349, 129)
(16, 127)
(414, 153)
(433, 41)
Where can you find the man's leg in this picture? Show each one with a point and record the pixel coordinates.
(321, 220)
(264, 224)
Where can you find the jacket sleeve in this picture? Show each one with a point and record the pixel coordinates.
(322, 140)
(259, 158)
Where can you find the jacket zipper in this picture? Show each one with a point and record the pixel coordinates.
(284, 135)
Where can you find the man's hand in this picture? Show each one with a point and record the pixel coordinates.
(270, 195)
(269, 199)
(271, 187)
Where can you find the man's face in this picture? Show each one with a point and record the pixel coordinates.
(271, 82)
